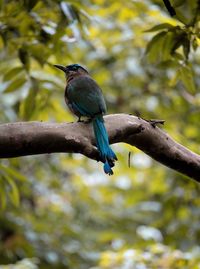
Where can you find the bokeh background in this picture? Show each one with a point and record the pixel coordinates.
(61, 210)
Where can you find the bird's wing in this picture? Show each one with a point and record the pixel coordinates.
(86, 96)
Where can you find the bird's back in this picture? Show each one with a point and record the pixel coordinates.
(84, 92)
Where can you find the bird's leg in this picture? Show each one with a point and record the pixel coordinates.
(79, 119)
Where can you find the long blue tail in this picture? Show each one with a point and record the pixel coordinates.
(107, 154)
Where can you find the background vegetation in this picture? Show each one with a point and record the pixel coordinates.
(61, 210)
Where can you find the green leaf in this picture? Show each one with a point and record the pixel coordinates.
(15, 85)
(13, 193)
(40, 52)
(154, 47)
(195, 44)
(24, 57)
(12, 73)
(168, 44)
(29, 4)
(174, 80)
(178, 41)
(181, 17)
(27, 107)
(2, 199)
(178, 3)
(186, 47)
(178, 56)
(186, 76)
(160, 27)
(13, 173)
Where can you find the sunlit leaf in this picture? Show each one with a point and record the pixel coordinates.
(174, 80)
(160, 27)
(195, 44)
(13, 173)
(186, 76)
(15, 85)
(13, 72)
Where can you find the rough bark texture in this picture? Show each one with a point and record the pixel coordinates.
(29, 138)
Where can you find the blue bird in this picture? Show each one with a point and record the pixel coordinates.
(84, 98)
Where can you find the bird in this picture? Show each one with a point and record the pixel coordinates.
(84, 97)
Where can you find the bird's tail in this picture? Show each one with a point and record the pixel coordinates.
(107, 154)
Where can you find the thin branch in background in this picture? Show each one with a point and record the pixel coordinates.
(169, 7)
(129, 159)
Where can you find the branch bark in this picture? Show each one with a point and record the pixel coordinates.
(29, 138)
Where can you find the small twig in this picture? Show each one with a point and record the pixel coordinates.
(129, 159)
(169, 7)
(155, 122)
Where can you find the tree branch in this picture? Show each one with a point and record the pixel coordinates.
(169, 7)
(29, 138)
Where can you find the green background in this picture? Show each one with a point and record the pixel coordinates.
(61, 210)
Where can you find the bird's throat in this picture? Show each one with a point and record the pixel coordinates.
(70, 77)
(74, 75)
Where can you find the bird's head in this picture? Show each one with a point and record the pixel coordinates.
(72, 69)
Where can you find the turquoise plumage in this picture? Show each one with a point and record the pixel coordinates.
(84, 98)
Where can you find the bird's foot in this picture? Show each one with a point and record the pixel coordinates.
(79, 120)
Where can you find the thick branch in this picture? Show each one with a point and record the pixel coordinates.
(29, 138)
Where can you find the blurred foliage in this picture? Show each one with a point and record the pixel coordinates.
(61, 210)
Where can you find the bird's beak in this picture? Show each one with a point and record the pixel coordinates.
(61, 67)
